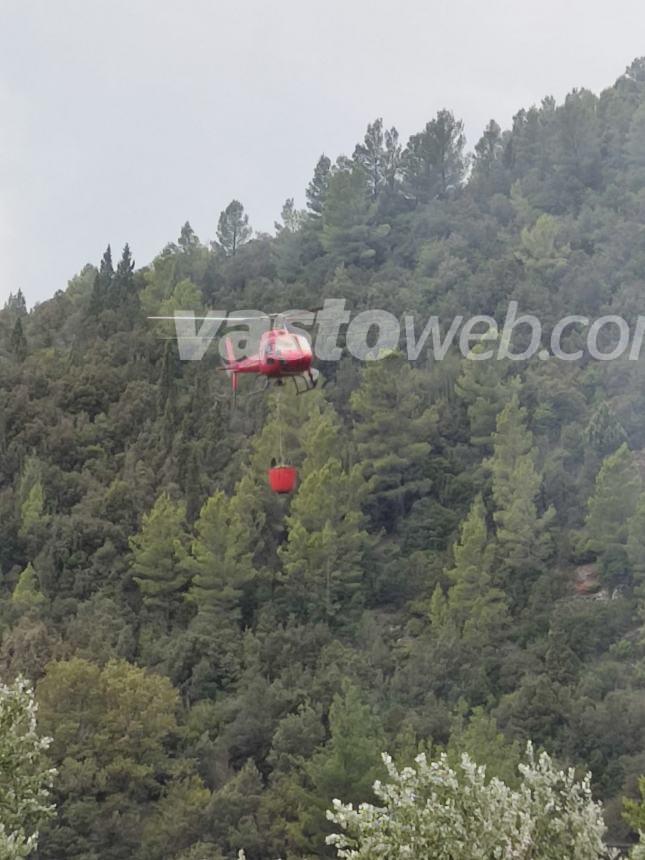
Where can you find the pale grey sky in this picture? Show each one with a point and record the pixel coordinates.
(121, 119)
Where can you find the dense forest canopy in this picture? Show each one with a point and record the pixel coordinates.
(462, 567)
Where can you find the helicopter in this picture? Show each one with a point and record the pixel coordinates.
(282, 354)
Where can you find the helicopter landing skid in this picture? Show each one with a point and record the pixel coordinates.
(259, 389)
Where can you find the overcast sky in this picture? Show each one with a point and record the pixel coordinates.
(121, 119)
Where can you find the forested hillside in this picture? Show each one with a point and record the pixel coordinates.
(462, 566)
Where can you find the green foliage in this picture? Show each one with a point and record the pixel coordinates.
(522, 533)
(317, 188)
(433, 160)
(26, 595)
(115, 729)
(346, 766)
(18, 343)
(233, 228)
(634, 810)
(25, 777)
(613, 501)
(475, 606)
(392, 430)
(198, 637)
(157, 554)
(325, 553)
(431, 810)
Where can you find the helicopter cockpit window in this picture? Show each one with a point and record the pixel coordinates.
(285, 343)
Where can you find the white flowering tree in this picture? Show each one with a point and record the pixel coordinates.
(25, 779)
(432, 812)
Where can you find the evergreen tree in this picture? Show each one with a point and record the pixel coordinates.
(488, 148)
(378, 156)
(292, 218)
(158, 552)
(188, 239)
(16, 304)
(475, 606)
(101, 290)
(18, 343)
(636, 545)
(317, 189)
(346, 766)
(433, 160)
(392, 430)
(348, 235)
(485, 389)
(613, 502)
(31, 495)
(219, 561)
(522, 533)
(325, 556)
(121, 294)
(26, 595)
(167, 402)
(604, 431)
(233, 229)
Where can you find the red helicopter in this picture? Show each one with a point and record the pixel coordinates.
(282, 354)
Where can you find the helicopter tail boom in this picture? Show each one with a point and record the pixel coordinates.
(232, 362)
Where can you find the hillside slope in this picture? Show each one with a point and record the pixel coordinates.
(463, 564)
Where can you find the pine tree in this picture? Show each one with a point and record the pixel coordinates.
(233, 228)
(370, 156)
(613, 502)
(488, 148)
(220, 560)
(321, 438)
(121, 294)
(326, 554)
(433, 160)
(168, 378)
(392, 430)
(26, 595)
(188, 239)
(192, 484)
(221, 573)
(31, 495)
(636, 545)
(317, 189)
(489, 173)
(604, 432)
(292, 218)
(18, 342)
(485, 389)
(475, 606)
(346, 766)
(158, 553)
(99, 299)
(348, 233)
(16, 304)
(522, 533)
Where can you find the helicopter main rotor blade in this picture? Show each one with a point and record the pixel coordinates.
(215, 319)
(233, 318)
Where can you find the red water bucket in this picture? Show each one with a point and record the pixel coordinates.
(282, 479)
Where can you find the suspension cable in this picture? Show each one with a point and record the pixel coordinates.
(279, 426)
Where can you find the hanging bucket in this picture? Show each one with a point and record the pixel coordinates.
(282, 479)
